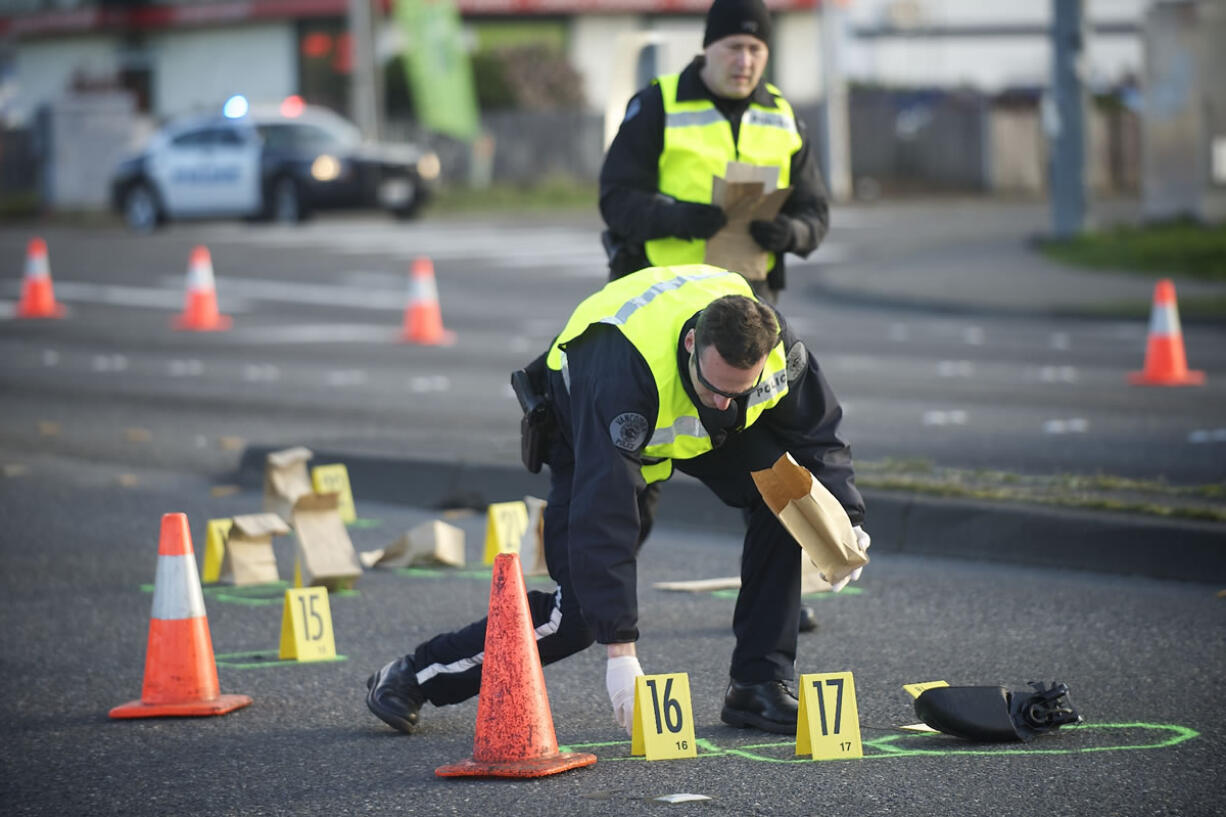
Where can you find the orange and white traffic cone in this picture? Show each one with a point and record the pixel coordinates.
(515, 736)
(423, 320)
(1165, 362)
(37, 293)
(180, 671)
(200, 309)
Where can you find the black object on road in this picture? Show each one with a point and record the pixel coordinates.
(995, 714)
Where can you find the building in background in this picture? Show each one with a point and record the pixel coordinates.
(180, 55)
(944, 94)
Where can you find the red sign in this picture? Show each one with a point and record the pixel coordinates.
(50, 23)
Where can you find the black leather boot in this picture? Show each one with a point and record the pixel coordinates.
(394, 695)
(808, 620)
(766, 705)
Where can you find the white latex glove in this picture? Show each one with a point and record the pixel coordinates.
(619, 681)
(863, 540)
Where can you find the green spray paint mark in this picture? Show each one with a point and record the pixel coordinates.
(443, 573)
(262, 659)
(484, 574)
(1167, 735)
(364, 524)
(844, 593)
(252, 595)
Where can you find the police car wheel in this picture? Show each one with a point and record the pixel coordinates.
(140, 209)
(286, 201)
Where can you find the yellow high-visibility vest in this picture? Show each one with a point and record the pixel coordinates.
(698, 146)
(650, 307)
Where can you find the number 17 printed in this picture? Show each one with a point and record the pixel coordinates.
(828, 727)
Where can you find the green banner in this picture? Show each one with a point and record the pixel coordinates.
(439, 72)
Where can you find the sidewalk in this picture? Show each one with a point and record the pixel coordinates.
(973, 255)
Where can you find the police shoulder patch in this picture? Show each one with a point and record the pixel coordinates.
(798, 360)
(629, 431)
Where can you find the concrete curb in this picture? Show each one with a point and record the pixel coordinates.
(899, 522)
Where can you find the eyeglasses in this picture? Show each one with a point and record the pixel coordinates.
(694, 357)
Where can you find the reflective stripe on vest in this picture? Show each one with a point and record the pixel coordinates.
(698, 146)
(650, 308)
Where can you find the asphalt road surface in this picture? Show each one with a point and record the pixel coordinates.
(1143, 658)
(109, 418)
(314, 355)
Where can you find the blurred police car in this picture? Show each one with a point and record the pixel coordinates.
(281, 164)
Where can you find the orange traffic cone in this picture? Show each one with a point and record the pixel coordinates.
(423, 322)
(180, 672)
(200, 310)
(37, 294)
(1165, 363)
(515, 736)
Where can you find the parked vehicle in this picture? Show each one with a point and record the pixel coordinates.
(282, 164)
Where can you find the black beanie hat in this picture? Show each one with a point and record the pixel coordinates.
(728, 17)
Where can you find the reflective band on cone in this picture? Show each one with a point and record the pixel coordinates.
(1165, 361)
(180, 671)
(37, 292)
(200, 313)
(423, 318)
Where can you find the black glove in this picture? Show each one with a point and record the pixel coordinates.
(777, 235)
(690, 219)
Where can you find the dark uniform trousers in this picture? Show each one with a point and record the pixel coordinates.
(767, 610)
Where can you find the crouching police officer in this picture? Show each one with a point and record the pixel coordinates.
(668, 366)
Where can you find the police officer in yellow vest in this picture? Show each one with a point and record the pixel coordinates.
(682, 130)
(669, 367)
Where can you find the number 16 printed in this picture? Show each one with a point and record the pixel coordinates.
(663, 718)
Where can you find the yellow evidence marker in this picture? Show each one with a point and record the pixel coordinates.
(306, 626)
(663, 727)
(334, 479)
(215, 549)
(505, 527)
(828, 725)
(915, 690)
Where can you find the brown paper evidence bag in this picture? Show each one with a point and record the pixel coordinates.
(813, 516)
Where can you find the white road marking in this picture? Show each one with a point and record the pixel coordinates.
(347, 377)
(429, 383)
(121, 295)
(186, 368)
(1073, 425)
(316, 333)
(51, 357)
(260, 372)
(1058, 374)
(1207, 435)
(296, 292)
(110, 363)
(956, 368)
(953, 417)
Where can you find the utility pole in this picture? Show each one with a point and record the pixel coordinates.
(1067, 128)
(365, 95)
(838, 128)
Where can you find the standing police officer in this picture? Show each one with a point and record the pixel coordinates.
(683, 129)
(666, 367)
